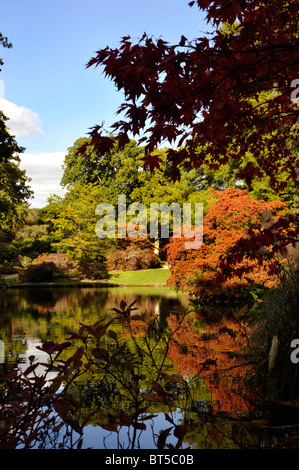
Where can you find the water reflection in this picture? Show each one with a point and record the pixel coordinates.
(41, 315)
(2, 351)
(219, 352)
(203, 363)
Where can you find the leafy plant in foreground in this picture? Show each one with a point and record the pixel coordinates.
(41, 409)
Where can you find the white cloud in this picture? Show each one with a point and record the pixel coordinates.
(23, 122)
(45, 171)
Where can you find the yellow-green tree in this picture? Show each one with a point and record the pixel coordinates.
(75, 228)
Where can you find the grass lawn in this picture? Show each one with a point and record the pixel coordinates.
(133, 278)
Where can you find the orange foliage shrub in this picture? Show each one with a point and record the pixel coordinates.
(216, 267)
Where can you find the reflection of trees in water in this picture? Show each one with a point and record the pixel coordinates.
(2, 351)
(193, 412)
(218, 353)
(12, 347)
(61, 300)
(151, 303)
(211, 352)
(43, 314)
(129, 389)
(48, 300)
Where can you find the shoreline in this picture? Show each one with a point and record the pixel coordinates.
(11, 281)
(79, 284)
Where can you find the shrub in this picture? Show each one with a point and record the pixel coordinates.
(8, 253)
(116, 261)
(132, 259)
(42, 272)
(232, 257)
(46, 267)
(62, 264)
(92, 266)
(149, 260)
(33, 248)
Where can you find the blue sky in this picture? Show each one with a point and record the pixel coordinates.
(45, 89)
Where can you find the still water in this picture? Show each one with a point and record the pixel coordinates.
(169, 339)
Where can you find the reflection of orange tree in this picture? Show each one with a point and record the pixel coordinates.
(217, 354)
(143, 303)
(130, 387)
(135, 329)
(138, 327)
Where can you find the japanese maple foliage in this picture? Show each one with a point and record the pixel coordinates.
(231, 256)
(218, 354)
(220, 95)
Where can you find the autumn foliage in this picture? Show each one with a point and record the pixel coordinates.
(215, 97)
(217, 267)
(218, 354)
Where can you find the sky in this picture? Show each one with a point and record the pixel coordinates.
(46, 91)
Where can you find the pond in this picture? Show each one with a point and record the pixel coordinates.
(176, 385)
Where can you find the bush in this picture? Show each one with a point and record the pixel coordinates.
(149, 260)
(42, 272)
(24, 261)
(62, 264)
(238, 249)
(132, 259)
(116, 261)
(92, 266)
(46, 267)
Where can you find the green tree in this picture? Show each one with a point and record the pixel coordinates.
(226, 176)
(83, 164)
(32, 237)
(74, 227)
(156, 186)
(14, 188)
